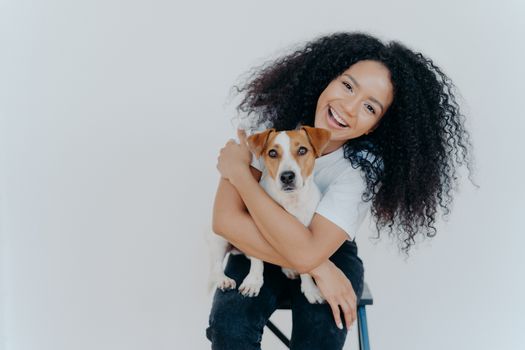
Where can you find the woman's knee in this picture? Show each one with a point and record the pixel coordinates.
(318, 317)
(236, 321)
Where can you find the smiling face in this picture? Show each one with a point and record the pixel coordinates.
(354, 102)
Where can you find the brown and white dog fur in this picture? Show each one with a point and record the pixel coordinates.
(289, 158)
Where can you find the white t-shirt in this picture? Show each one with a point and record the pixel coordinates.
(341, 188)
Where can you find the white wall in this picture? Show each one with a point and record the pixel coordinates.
(112, 114)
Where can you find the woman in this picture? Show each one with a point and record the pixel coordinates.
(397, 139)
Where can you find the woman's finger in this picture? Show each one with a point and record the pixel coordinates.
(352, 301)
(241, 134)
(347, 312)
(337, 313)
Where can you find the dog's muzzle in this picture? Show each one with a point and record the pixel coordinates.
(287, 180)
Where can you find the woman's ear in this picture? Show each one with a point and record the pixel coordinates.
(318, 138)
(257, 142)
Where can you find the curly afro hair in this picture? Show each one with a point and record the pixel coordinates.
(420, 140)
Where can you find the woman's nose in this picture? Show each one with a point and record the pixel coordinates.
(350, 107)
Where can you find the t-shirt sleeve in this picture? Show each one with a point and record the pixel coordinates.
(342, 204)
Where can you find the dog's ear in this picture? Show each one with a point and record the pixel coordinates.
(257, 142)
(318, 138)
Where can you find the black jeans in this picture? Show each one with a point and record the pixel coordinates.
(237, 322)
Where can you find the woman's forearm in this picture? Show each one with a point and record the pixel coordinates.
(282, 230)
(232, 221)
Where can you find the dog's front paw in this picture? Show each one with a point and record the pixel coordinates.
(291, 274)
(251, 286)
(225, 283)
(312, 293)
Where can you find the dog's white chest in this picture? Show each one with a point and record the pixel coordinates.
(301, 204)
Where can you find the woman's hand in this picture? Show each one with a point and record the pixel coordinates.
(234, 158)
(338, 292)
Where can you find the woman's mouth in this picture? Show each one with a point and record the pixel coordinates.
(335, 120)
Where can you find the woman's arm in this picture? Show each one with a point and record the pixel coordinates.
(305, 247)
(232, 221)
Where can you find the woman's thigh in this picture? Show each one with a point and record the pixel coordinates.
(313, 324)
(236, 321)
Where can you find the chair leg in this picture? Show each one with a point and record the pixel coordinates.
(278, 333)
(364, 343)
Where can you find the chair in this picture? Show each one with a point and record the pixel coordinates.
(364, 343)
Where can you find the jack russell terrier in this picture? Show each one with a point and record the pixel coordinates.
(289, 158)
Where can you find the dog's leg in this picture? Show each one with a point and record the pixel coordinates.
(219, 247)
(253, 282)
(310, 289)
(290, 273)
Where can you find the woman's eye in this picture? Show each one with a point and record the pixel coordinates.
(348, 86)
(302, 151)
(272, 153)
(371, 109)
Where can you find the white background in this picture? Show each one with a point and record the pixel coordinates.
(112, 115)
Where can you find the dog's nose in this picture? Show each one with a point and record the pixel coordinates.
(287, 177)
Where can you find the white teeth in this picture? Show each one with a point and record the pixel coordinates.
(338, 118)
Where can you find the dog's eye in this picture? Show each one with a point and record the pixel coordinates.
(302, 151)
(272, 153)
